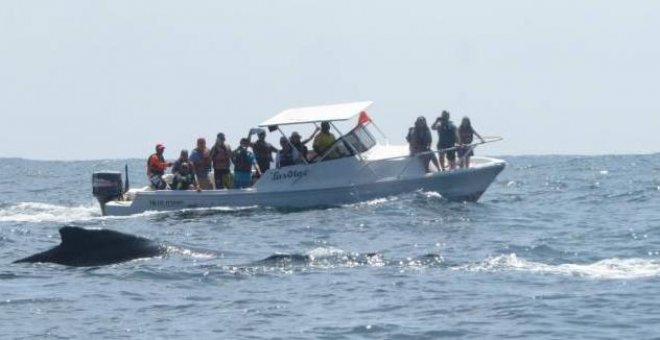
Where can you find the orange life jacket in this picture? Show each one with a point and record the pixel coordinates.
(156, 165)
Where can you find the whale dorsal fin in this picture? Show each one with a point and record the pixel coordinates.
(93, 237)
(70, 235)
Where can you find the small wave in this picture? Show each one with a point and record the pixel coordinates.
(424, 261)
(330, 257)
(284, 260)
(199, 212)
(44, 212)
(372, 202)
(197, 254)
(322, 257)
(615, 268)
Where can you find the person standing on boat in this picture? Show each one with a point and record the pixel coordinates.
(201, 160)
(263, 151)
(156, 166)
(323, 141)
(466, 135)
(420, 140)
(299, 144)
(447, 139)
(243, 161)
(221, 155)
(287, 156)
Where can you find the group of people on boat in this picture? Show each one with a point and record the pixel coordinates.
(240, 167)
(193, 171)
(452, 141)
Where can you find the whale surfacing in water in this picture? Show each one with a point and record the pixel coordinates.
(82, 247)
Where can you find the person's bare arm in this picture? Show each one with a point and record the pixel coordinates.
(312, 136)
(476, 134)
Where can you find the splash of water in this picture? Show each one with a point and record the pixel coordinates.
(44, 212)
(614, 268)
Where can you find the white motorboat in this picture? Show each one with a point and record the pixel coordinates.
(366, 169)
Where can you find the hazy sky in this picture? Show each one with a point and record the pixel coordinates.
(109, 79)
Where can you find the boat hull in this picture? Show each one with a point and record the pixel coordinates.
(456, 185)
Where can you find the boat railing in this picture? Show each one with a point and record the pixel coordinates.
(420, 156)
(468, 148)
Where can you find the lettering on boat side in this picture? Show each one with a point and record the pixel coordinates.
(165, 203)
(279, 175)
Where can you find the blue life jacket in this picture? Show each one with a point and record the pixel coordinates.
(242, 159)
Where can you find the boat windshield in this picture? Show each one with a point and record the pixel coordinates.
(356, 141)
(360, 138)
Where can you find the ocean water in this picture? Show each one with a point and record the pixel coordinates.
(560, 247)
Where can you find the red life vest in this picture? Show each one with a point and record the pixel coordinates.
(156, 165)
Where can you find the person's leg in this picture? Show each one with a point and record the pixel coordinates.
(435, 162)
(217, 176)
(241, 179)
(425, 161)
(451, 159)
(228, 180)
(158, 183)
(461, 152)
(205, 183)
(467, 158)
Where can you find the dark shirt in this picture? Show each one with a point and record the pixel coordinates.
(420, 139)
(446, 135)
(466, 133)
(263, 152)
(286, 158)
(302, 149)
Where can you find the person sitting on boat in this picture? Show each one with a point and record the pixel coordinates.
(156, 166)
(324, 140)
(288, 155)
(221, 155)
(466, 135)
(263, 151)
(420, 140)
(184, 178)
(243, 161)
(299, 144)
(447, 139)
(201, 160)
(183, 158)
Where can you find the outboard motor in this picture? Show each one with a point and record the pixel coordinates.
(107, 186)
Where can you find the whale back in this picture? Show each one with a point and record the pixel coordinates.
(82, 247)
(91, 238)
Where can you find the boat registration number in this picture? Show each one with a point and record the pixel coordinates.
(165, 203)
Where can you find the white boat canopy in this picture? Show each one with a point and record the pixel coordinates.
(315, 114)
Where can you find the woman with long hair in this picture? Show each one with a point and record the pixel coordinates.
(466, 135)
(420, 140)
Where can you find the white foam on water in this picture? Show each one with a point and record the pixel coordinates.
(372, 202)
(331, 257)
(189, 252)
(614, 268)
(325, 252)
(44, 212)
(431, 194)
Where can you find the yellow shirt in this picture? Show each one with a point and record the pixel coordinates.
(323, 141)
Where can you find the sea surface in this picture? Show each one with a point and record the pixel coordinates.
(559, 247)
